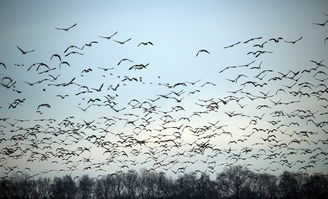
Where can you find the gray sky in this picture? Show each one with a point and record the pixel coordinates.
(178, 30)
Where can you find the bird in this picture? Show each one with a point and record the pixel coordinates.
(122, 42)
(43, 105)
(276, 40)
(251, 39)
(89, 44)
(71, 46)
(232, 45)
(25, 52)
(67, 29)
(145, 43)
(64, 62)
(293, 42)
(55, 55)
(202, 50)
(138, 66)
(4, 65)
(228, 67)
(109, 37)
(321, 24)
(260, 45)
(73, 52)
(106, 69)
(123, 60)
(98, 89)
(62, 96)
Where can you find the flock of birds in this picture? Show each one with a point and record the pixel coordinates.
(185, 128)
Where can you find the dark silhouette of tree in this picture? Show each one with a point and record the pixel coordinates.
(149, 184)
(42, 189)
(266, 186)
(206, 188)
(289, 186)
(131, 184)
(104, 187)
(315, 187)
(110, 186)
(165, 186)
(63, 188)
(186, 186)
(5, 187)
(235, 182)
(24, 187)
(85, 189)
(232, 183)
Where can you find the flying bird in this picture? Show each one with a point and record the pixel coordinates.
(251, 39)
(64, 62)
(138, 66)
(232, 45)
(202, 50)
(293, 42)
(260, 45)
(24, 52)
(67, 29)
(62, 96)
(73, 52)
(4, 65)
(71, 46)
(145, 43)
(89, 44)
(321, 24)
(43, 105)
(276, 40)
(55, 55)
(124, 59)
(122, 42)
(109, 37)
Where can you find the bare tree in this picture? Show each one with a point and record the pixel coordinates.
(63, 188)
(266, 186)
(85, 187)
(235, 182)
(288, 186)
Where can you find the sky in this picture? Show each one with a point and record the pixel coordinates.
(177, 30)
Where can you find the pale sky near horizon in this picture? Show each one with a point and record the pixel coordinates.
(178, 30)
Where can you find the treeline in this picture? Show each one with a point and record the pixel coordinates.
(233, 182)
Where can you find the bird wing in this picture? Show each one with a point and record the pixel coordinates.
(20, 49)
(127, 40)
(3, 65)
(30, 51)
(72, 26)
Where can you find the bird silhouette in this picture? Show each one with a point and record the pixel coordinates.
(123, 60)
(252, 39)
(109, 37)
(4, 65)
(202, 51)
(145, 43)
(55, 55)
(24, 52)
(122, 42)
(66, 29)
(232, 45)
(293, 42)
(321, 24)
